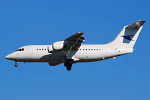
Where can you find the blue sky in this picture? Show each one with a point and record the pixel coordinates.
(33, 22)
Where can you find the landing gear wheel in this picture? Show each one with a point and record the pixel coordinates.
(68, 68)
(68, 64)
(16, 64)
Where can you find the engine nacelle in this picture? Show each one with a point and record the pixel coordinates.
(56, 46)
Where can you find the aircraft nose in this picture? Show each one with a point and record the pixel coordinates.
(11, 56)
(8, 57)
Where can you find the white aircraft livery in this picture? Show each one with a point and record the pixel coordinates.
(71, 50)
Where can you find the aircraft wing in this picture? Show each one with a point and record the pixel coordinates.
(74, 41)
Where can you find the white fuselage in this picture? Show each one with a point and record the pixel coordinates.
(86, 53)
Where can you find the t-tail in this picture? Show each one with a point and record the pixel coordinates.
(128, 35)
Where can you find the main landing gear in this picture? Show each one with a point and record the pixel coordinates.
(16, 64)
(68, 64)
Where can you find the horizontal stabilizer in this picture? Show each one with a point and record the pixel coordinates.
(137, 24)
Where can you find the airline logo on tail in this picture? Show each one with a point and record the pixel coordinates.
(128, 37)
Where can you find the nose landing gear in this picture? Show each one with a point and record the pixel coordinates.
(16, 64)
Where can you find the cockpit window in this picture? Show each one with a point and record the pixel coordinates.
(21, 49)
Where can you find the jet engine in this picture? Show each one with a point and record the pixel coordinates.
(56, 46)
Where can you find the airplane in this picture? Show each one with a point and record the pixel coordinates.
(72, 50)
